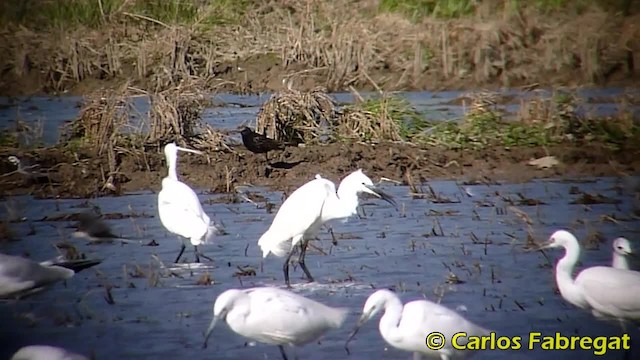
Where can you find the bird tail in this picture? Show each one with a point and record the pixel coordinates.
(269, 243)
(212, 231)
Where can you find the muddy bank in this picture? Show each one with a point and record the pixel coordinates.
(338, 45)
(78, 176)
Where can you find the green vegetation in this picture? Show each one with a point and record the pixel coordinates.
(418, 9)
(542, 122)
(415, 10)
(557, 121)
(96, 13)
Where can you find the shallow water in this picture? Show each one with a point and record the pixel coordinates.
(229, 111)
(503, 288)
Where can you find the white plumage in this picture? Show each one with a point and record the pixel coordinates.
(308, 208)
(607, 292)
(406, 327)
(179, 208)
(20, 277)
(623, 254)
(274, 316)
(45, 352)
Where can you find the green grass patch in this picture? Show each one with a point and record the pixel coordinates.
(561, 125)
(387, 118)
(65, 14)
(418, 9)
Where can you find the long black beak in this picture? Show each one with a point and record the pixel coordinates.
(383, 195)
(361, 322)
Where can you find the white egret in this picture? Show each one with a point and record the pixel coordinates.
(309, 207)
(179, 208)
(622, 254)
(45, 352)
(274, 316)
(20, 277)
(609, 293)
(407, 327)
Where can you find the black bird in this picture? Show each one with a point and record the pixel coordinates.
(258, 143)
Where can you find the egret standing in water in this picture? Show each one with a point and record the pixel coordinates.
(179, 208)
(609, 293)
(408, 327)
(274, 316)
(623, 254)
(309, 207)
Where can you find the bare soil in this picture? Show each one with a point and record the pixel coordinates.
(288, 169)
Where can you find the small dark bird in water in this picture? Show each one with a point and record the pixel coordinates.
(258, 143)
(92, 227)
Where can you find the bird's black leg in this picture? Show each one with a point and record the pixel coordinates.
(180, 253)
(285, 268)
(198, 253)
(303, 252)
(334, 241)
(284, 354)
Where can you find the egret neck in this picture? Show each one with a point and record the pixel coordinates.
(564, 271)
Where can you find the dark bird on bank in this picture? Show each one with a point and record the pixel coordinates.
(260, 144)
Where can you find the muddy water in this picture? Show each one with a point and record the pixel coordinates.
(229, 111)
(476, 236)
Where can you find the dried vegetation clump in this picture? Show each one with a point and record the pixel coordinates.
(337, 44)
(388, 118)
(296, 116)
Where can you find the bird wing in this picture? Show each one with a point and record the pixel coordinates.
(299, 215)
(421, 317)
(19, 274)
(610, 291)
(181, 212)
(290, 318)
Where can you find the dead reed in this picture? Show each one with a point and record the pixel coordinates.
(295, 116)
(338, 44)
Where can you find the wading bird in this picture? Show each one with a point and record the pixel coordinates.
(623, 254)
(45, 352)
(407, 327)
(20, 277)
(307, 209)
(179, 208)
(274, 316)
(29, 171)
(609, 293)
(259, 143)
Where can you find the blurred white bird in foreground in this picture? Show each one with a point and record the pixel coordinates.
(20, 277)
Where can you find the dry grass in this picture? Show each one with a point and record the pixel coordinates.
(338, 44)
(294, 116)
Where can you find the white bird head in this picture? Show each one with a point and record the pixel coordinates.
(560, 238)
(622, 246)
(376, 302)
(358, 182)
(14, 160)
(171, 150)
(224, 303)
